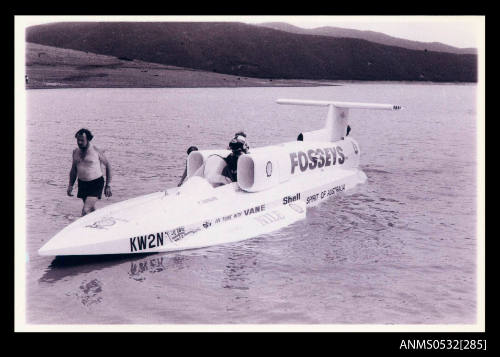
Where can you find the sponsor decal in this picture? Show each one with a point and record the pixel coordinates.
(104, 223)
(355, 148)
(317, 158)
(206, 200)
(312, 198)
(176, 234)
(324, 194)
(288, 199)
(192, 231)
(269, 217)
(296, 208)
(246, 212)
(146, 242)
(253, 210)
(269, 168)
(335, 190)
(154, 240)
(341, 155)
(158, 239)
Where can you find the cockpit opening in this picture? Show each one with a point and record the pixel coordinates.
(212, 170)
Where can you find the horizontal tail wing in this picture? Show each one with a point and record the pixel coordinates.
(349, 105)
(336, 119)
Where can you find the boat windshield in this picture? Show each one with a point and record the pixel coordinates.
(212, 169)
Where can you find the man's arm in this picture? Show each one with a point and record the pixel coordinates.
(72, 176)
(107, 165)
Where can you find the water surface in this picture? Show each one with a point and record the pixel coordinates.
(399, 249)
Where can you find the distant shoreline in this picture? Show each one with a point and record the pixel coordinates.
(58, 68)
(179, 87)
(252, 86)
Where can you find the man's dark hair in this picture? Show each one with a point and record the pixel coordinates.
(192, 148)
(86, 132)
(236, 145)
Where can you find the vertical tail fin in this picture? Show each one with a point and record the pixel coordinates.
(336, 120)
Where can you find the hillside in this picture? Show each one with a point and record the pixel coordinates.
(53, 67)
(255, 51)
(371, 36)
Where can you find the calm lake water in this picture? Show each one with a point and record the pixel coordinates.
(400, 249)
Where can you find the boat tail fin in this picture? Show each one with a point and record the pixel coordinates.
(337, 118)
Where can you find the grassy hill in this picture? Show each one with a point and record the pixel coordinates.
(53, 67)
(254, 51)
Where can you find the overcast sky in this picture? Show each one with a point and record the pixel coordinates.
(458, 31)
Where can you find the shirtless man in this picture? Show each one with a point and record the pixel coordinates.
(86, 166)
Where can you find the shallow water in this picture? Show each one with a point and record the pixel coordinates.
(400, 249)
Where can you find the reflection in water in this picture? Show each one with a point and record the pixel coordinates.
(90, 292)
(137, 269)
(237, 280)
(415, 212)
(72, 265)
(236, 270)
(156, 265)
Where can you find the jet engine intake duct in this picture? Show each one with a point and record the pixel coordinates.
(263, 169)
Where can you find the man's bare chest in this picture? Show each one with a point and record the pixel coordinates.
(87, 158)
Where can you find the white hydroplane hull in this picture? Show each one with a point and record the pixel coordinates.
(275, 185)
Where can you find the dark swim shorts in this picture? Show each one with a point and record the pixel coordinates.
(90, 188)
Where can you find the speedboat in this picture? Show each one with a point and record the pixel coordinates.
(275, 185)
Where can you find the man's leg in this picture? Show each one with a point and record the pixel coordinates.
(89, 205)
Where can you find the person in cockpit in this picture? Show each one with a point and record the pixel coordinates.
(238, 146)
(246, 148)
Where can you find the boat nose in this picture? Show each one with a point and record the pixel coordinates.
(43, 250)
(47, 248)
